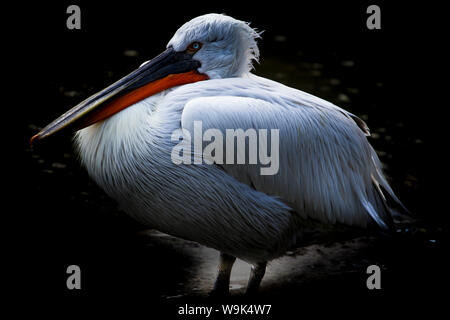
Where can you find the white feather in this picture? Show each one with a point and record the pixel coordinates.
(326, 165)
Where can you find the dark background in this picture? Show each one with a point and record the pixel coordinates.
(59, 217)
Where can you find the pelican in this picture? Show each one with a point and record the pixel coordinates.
(328, 173)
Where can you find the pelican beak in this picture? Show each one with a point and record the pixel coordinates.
(167, 70)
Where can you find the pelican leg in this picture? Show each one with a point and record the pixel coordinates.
(256, 276)
(222, 284)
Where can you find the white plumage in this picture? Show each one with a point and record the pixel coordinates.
(328, 171)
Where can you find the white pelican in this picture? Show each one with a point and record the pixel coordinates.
(328, 172)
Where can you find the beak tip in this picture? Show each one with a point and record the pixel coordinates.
(34, 138)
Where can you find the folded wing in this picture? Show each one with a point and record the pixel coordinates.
(327, 169)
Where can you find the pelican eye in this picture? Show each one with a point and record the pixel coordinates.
(194, 47)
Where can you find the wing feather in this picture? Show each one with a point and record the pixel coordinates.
(326, 165)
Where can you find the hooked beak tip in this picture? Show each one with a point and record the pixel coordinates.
(34, 138)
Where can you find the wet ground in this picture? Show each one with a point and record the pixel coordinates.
(69, 220)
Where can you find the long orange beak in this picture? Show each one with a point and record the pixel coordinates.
(167, 70)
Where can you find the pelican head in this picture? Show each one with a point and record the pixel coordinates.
(207, 47)
(228, 46)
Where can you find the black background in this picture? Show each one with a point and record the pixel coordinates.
(48, 230)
